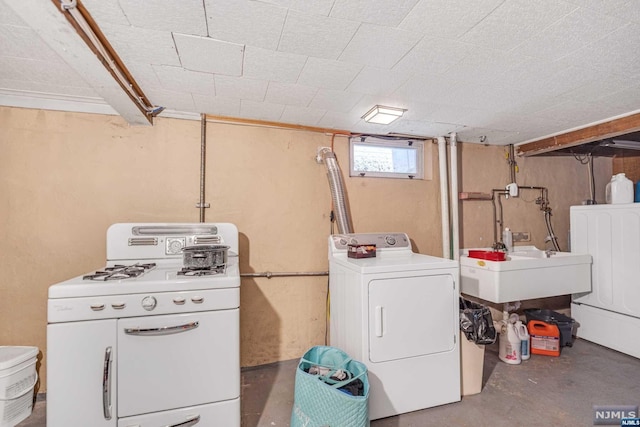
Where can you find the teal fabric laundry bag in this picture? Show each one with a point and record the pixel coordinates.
(331, 390)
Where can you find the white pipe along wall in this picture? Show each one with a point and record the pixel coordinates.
(444, 196)
(455, 223)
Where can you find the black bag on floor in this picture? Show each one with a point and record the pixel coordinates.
(476, 322)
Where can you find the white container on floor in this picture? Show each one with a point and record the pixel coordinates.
(525, 342)
(510, 345)
(18, 377)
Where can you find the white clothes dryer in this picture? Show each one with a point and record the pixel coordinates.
(399, 314)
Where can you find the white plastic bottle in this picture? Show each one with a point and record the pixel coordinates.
(510, 344)
(507, 239)
(525, 342)
(621, 189)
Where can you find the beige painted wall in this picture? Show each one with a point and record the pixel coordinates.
(65, 177)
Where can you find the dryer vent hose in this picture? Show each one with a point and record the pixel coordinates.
(336, 185)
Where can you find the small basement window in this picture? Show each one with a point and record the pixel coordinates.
(387, 158)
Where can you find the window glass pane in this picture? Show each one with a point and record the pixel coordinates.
(387, 158)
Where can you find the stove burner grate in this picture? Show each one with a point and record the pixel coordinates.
(120, 272)
(210, 271)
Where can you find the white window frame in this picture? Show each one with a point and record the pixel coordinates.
(414, 144)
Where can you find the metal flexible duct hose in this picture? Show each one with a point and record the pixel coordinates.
(336, 185)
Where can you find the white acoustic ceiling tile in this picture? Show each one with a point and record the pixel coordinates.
(515, 21)
(601, 6)
(31, 69)
(379, 81)
(184, 16)
(602, 54)
(261, 110)
(144, 74)
(433, 56)
(425, 88)
(446, 18)
(379, 46)
(23, 42)
(576, 30)
(302, 115)
(178, 101)
(572, 111)
(9, 17)
(247, 22)
(342, 121)
(597, 89)
(335, 100)
(106, 12)
(315, 35)
(482, 65)
(622, 100)
(217, 105)
(240, 87)
(47, 88)
(180, 80)
(382, 12)
(418, 127)
(209, 55)
(629, 10)
(290, 94)
(316, 7)
(328, 74)
(271, 65)
(143, 45)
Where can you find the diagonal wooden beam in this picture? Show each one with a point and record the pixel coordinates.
(605, 130)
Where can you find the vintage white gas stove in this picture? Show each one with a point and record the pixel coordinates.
(140, 343)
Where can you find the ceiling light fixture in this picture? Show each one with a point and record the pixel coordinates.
(383, 115)
(621, 143)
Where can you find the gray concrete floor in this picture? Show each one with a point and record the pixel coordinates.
(542, 391)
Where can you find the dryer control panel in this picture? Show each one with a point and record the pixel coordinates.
(382, 241)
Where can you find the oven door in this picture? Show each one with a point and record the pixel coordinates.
(174, 361)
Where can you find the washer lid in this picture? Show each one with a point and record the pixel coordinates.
(11, 356)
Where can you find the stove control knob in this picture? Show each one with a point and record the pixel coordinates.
(149, 303)
(390, 240)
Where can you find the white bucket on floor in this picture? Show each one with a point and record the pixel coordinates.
(18, 377)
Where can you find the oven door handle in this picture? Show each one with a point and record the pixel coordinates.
(106, 384)
(165, 330)
(190, 422)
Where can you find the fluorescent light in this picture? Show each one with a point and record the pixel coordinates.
(383, 115)
(621, 143)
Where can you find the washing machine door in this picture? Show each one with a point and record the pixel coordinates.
(411, 316)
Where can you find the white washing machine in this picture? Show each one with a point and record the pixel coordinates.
(397, 313)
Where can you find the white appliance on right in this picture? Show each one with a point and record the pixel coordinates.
(609, 315)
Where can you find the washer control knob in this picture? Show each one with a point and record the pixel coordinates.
(354, 241)
(149, 303)
(390, 240)
(179, 301)
(197, 300)
(343, 241)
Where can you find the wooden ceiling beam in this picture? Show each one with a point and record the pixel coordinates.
(605, 130)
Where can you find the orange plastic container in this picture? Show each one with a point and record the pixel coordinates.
(545, 338)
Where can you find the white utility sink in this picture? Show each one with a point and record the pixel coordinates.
(527, 273)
